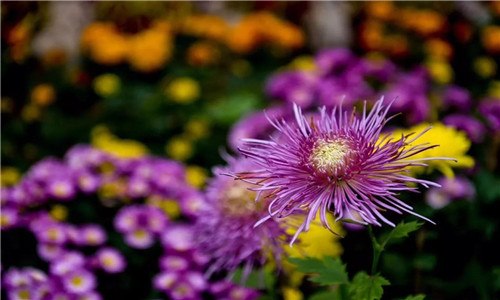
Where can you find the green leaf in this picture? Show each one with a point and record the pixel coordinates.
(402, 230)
(326, 295)
(366, 287)
(415, 297)
(327, 271)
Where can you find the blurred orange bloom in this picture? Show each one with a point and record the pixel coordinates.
(424, 22)
(439, 48)
(149, 50)
(43, 94)
(382, 10)
(202, 54)
(491, 38)
(104, 43)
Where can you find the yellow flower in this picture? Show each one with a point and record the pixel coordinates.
(485, 66)
(179, 148)
(197, 129)
(59, 212)
(106, 141)
(106, 84)
(10, 176)
(43, 94)
(30, 113)
(196, 176)
(303, 63)
(171, 207)
(440, 70)
(183, 90)
(149, 50)
(452, 144)
(290, 293)
(318, 242)
(494, 89)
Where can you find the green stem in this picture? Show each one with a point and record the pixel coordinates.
(377, 250)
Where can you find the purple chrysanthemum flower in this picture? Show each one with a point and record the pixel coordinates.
(225, 230)
(110, 260)
(336, 162)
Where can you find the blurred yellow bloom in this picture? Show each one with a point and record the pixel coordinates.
(59, 212)
(196, 176)
(290, 293)
(103, 139)
(485, 66)
(303, 63)
(43, 94)
(179, 148)
(202, 54)
(197, 129)
(491, 38)
(494, 89)
(6, 105)
(149, 50)
(107, 84)
(452, 144)
(30, 113)
(440, 70)
(171, 207)
(183, 90)
(110, 191)
(318, 242)
(9, 176)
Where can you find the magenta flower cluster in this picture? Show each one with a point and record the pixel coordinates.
(77, 253)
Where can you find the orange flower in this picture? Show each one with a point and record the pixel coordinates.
(491, 38)
(104, 43)
(371, 35)
(424, 22)
(382, 10)
(439, 48)
(396, 45)
(207, 26)
(43, 94)
(202, 54)
(149, 50)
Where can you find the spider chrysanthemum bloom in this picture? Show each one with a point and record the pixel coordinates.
(335, 162)
(225, 229)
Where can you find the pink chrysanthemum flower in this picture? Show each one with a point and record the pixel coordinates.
(334, 162)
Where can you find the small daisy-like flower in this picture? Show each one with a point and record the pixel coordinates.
(79, 282)
(225, 230)
(110, 260)
(336, 162)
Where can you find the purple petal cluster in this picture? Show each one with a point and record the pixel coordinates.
(137, 190)
(343, 77)
(334, 162)
(140, 225)
(225, 231)
(451, 189)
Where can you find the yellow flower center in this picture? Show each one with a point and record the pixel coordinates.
(328, 156)
(77, 280)
(239, 201)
